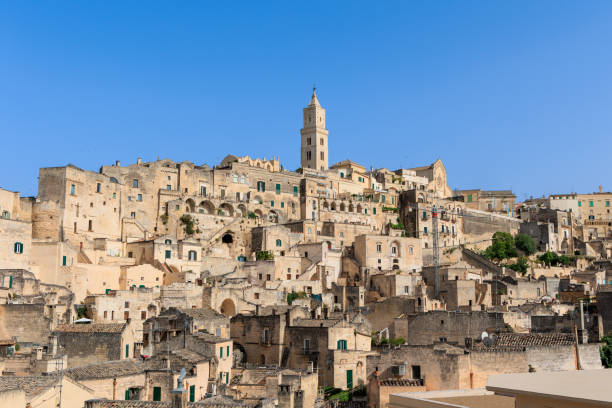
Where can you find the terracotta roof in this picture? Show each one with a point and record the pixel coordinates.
(400, 382)
(91, 328)
(520, 341)
(31, 385)
(212, 402)
(118, 368)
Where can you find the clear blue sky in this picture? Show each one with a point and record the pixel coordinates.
(509, 94)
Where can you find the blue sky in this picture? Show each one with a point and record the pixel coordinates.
(508, 94)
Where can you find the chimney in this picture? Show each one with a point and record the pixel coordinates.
(39, 352)
(117, 163)
(179, 394)
(53, 345)
(138, 160)
(285, 396)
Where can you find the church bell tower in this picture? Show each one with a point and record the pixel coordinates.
(314, 137)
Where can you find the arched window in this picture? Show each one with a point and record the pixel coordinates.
(168, 242)
(279, 243)
(18, 247)
(193, 256)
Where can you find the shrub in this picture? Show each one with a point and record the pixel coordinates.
(606, 351)
(295, 295)
(525, 243)
(502, 247)
(264, 255)
(188, 224)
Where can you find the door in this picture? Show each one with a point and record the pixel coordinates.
(192, 393)
(349, 379)
(156, 393)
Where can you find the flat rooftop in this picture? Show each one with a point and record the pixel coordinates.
(592, 386)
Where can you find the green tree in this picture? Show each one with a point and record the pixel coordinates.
(521, 265)
(606, 351)
(525, 243)
(549, 258)
(502, 246)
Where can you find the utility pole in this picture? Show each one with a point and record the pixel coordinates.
(436, 254)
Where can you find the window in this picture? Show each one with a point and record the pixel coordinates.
(18, 248)
(64, 260)
(341, 174)
(407, 290)
(192, 393)
(469, 198)
(127, 351)
(235, 178)
(279, 243)
(393, 250)
(221, 352)
(278, 189)
(72, 189)
(272, 203)
(261, 186)
(416, 372)
(322, 155)
(306, 345)
(98, 187)
(114, 195)
(308, 141)
(133, 214)
(193, 256)
(168, 187)
(143, 315)
(425, 230)
(607, 203)
(378, 248)
(105, 314)
(321, 142)
(139, 198)
(410, 250)
(308, 155)
(168, 254)
(282, 204)
(424, 215)
(266, 336)
(90, 225)
(135, 183)
(203, 191)
(156, 393)
(295, 191)
(222, 193)
(579, 203)
(268, 277)
(374, 210)
(342, 345)
(590, 203)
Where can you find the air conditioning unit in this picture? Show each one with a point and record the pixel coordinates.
(399, 370)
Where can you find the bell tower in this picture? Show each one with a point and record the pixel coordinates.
(314, 136)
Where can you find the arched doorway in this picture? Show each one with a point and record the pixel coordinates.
(208, 207)
(190, 205)
(228, 308)
(227, 238)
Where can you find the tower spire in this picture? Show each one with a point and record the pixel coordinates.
(314, 101)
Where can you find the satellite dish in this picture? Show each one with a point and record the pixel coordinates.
(484, 335)
(487, 341)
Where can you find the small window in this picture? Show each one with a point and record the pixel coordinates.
(279, 243)
(295, 191)
(168, 254)
(282, 204)
(373, 211)
(98, 187)
(272, 203)
(278, 189)
(72, 189)
(90, 225)
(378, 247)
(18, 248)
(139, 198)
(135, 183)
(168, 187)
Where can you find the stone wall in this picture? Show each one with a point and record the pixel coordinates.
(90, 348)
(26, 322)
